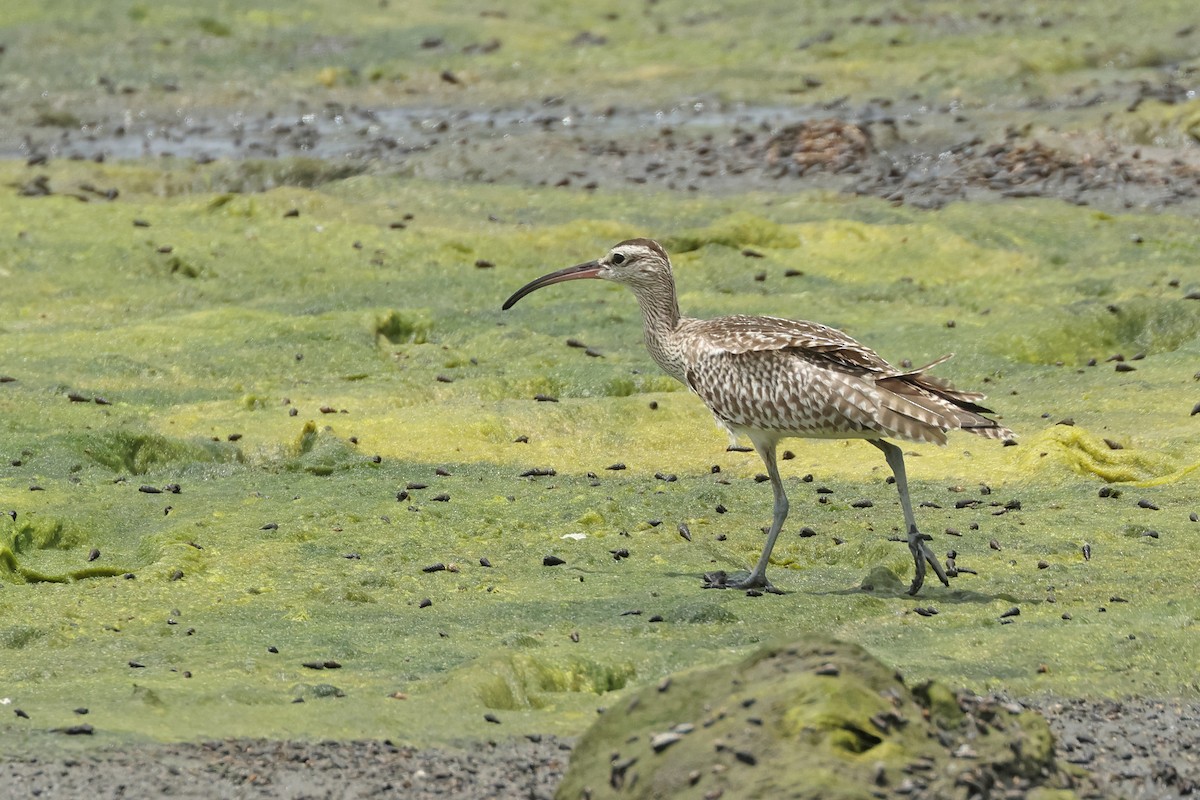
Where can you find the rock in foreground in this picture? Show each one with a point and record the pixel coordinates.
(815, 718)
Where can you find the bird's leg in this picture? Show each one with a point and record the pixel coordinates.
(757, 577)
(916, 540)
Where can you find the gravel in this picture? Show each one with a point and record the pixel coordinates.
(1137, 749)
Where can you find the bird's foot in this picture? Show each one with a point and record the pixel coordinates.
(739, 580)
(922, 555)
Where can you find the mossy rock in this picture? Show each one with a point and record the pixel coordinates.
(816, 718)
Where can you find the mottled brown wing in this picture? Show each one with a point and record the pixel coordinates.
(744, 334)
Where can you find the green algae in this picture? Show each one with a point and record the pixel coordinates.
(302, 532)
(64, 72)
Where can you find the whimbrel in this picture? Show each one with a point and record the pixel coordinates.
(768, 378)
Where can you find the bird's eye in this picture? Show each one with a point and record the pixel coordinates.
(618, 258)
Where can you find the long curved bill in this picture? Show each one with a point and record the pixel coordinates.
(589, 270)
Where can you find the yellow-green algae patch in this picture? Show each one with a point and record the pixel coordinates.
(271, 455)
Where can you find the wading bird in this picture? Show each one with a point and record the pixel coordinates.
(768, 378)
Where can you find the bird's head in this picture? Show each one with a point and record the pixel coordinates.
(638, 263)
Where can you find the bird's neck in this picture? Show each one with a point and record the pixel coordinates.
(660, 323)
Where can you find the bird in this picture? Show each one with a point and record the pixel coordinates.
(768, 378)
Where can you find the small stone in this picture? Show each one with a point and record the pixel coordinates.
(661, 741)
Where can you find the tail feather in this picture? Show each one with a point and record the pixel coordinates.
(935, 406)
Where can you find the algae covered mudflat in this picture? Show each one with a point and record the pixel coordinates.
(271, 447)
(266, 437)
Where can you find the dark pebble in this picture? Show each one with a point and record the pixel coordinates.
(492, 718)
(828, 669)
(746, 757)
(313, 664)
(1108, 491)
(1043, 565)
(720, 509)
(926, 612)
(653, 405)
(685, 531)
(270, 526)
(426, 603)
(619, 553)
(137, 665)
(273, 649)
(616, 467)
(1150, 534)
(416, 486)
(738, 448)
(483, 263)
(538, 472)
(552, 561)
(807, 532)
(953, 532)
(1195, 410)
(76, 730)
(1087, 552)
(545, 398)
(636, 612)
(992, 543)
(862, 504)
(655, 618)
(94, 554)
(1122, 367)
(20, 713)
(150, 489)
(1012, 612)
(438, 567)
(1144, 503)
(441, 498)
(484, 562)
(177, 575)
